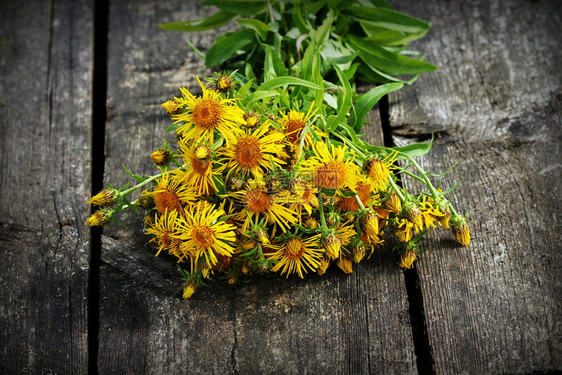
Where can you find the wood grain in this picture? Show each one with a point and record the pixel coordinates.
(357, 323)
(495, 103)
(45, 73)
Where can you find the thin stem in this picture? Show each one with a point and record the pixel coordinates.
(424, 176)
(359, 203)
(322, 218)
(396, 188)
(412, 175)
(130, 190)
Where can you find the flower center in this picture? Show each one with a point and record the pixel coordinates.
(257, 200)
(248, 152)
(207, 114)
(294, 129)
(294, 248)
(331, 175)
(166, 200)
(166, 240)
(200, 165)
(203, 236)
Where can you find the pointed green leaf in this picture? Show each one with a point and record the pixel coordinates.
(389, 19)
(227, 45)
(367, 101)
(244, 8)
(258, 26)
(202, 24)
(283, 81)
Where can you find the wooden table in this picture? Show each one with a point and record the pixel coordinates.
(82, 86)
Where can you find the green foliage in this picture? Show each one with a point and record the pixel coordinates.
(371, 39)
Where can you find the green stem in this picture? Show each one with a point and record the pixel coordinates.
(130, 190)
(413, 175)
(396, 188)
(359, 201)
(424, 176)
(322, 218)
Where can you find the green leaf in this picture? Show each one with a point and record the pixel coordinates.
(258, 26)
(282, 81)
(136, 177)
(244, 89)
(367, 101)
(195, 49)
(386, 61)
(344, 100)
(273, 63)
(381, 4)
(383, 36)
(258, 95)
(413, 150)
(202, 24)
(227, 46)
(244, 8)
(389, 19)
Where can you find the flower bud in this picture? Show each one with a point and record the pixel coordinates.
(232, 279)
(189, 288)
(332, 246)
(323, 266)
(252, 119)
(246, 268)
(161, 157)
(172, 107)
(311, 223)
(223, 84)
(106, 197)
(99, 218)
(407, 259)
(370, 224)
(413, 214)
(345, 264)
(461, 230)
(393, 203)
(202, 152)
(358, 252)
(261, 236)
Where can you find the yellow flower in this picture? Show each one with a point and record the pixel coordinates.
(200, 173)
(461, 230)
(379, 170)
(253, 152)
(407, 259)
(189, 288)
(166, 231)
(393, 203)
(402, 230)
(341, 236)
(172, 107)
(106, 197)
(206, 114)
(345, 264)
(259, 204)
(204, 235)
(370, 226)
(170, 193)
(358, 252)
(223, 84)
(99, 218)
(330, 167)
(252, 119)
(293, 124)
(161, 157)
(324, 264)
(296, 255)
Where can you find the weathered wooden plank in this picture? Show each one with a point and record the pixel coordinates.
(498, 61)
(45, 74)
(357, 323)
(493, 307)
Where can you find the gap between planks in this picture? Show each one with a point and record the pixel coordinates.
(99, 111)
(420, 336)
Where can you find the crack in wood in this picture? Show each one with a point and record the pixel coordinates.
(420, 337)
(99, 111)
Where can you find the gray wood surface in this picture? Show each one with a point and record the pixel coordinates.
(357, 323)
(495, 306)
(45, 74)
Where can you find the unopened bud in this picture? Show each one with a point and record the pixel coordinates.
(189, 288)
(223, 84)
(252, 119)
(172, 107)
(161, 157)
(345, 264)
(106, 197)
(99, 218)
(461, 230)
(407, 259)
(332, 246)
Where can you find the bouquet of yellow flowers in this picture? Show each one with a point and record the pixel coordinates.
(274, 176)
